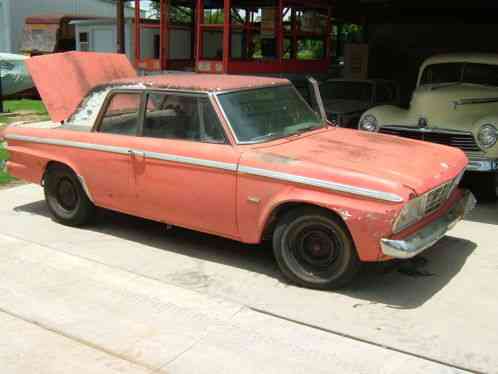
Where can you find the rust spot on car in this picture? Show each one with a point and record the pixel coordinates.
(352, 152)
(277, 159)
(385, 139)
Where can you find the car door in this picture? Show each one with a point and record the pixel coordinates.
(107, 168)
(186, 171)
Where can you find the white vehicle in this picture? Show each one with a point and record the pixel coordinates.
(455, 104)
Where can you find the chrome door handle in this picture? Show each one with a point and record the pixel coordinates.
(136, 154)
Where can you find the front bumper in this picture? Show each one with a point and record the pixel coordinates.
(430, 234)
(482, 164)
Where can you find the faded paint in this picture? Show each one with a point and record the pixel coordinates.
(278, 159)
(163, 189)
(203, 82)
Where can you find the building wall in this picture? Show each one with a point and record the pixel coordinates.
(102, 38)
(21, 9)
(5, 38)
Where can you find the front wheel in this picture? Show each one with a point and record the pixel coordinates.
(314, 249)
(65, 197)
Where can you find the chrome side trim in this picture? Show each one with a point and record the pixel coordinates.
(427, 130)
(69, 143)
(430, 234)
(479, 164)
(85, 188)
(127, 151)
(338, 187)
(476, 101)
(191, 161)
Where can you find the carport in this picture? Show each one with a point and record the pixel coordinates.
(400, 34)
(237, 36)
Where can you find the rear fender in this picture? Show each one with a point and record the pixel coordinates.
(30, 164)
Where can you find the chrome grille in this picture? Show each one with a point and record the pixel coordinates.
(465, 142)
(437, 197)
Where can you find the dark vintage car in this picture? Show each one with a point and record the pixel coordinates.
(345, 100)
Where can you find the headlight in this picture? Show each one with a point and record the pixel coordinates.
(412, 212)
(369, 123)
(487, 136)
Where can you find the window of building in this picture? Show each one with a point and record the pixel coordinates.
(84, 41)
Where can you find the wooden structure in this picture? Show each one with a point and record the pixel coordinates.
(245, 36)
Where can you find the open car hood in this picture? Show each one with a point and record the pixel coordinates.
(64, 79)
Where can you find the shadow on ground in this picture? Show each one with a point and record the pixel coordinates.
(397, 284)
(485, 213)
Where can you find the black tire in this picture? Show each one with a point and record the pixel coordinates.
(314, 249)
(483, 185)
(65, 197)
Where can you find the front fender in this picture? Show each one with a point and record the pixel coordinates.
(388, 115)
(367, 220)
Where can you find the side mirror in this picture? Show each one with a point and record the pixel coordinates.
(316, 98)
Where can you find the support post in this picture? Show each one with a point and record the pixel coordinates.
(164, 34)
(138, 31)
(226, 34)
(280, 31)
(294, 34)
(199, 20)
(328, 40)
(120, 26)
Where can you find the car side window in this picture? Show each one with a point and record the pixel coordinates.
(122, 114)
(171, 116)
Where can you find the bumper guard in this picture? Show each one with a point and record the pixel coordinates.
(430, 234)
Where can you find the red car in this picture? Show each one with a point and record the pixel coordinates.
(245, 158)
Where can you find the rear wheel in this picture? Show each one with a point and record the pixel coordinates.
(314, 249)
(65, 197)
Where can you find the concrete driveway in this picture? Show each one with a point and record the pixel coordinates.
(128, 295)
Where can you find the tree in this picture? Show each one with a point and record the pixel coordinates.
(177, 14)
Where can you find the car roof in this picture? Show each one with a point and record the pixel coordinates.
(200, 82)
(476, 58)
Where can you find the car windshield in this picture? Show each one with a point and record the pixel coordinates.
(267, 113)
(355, 91)
(483, 74)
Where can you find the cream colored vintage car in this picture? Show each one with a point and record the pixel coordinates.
(456, 104)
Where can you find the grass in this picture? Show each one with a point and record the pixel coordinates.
(18, 110)
(4, 177)
(15, 108)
